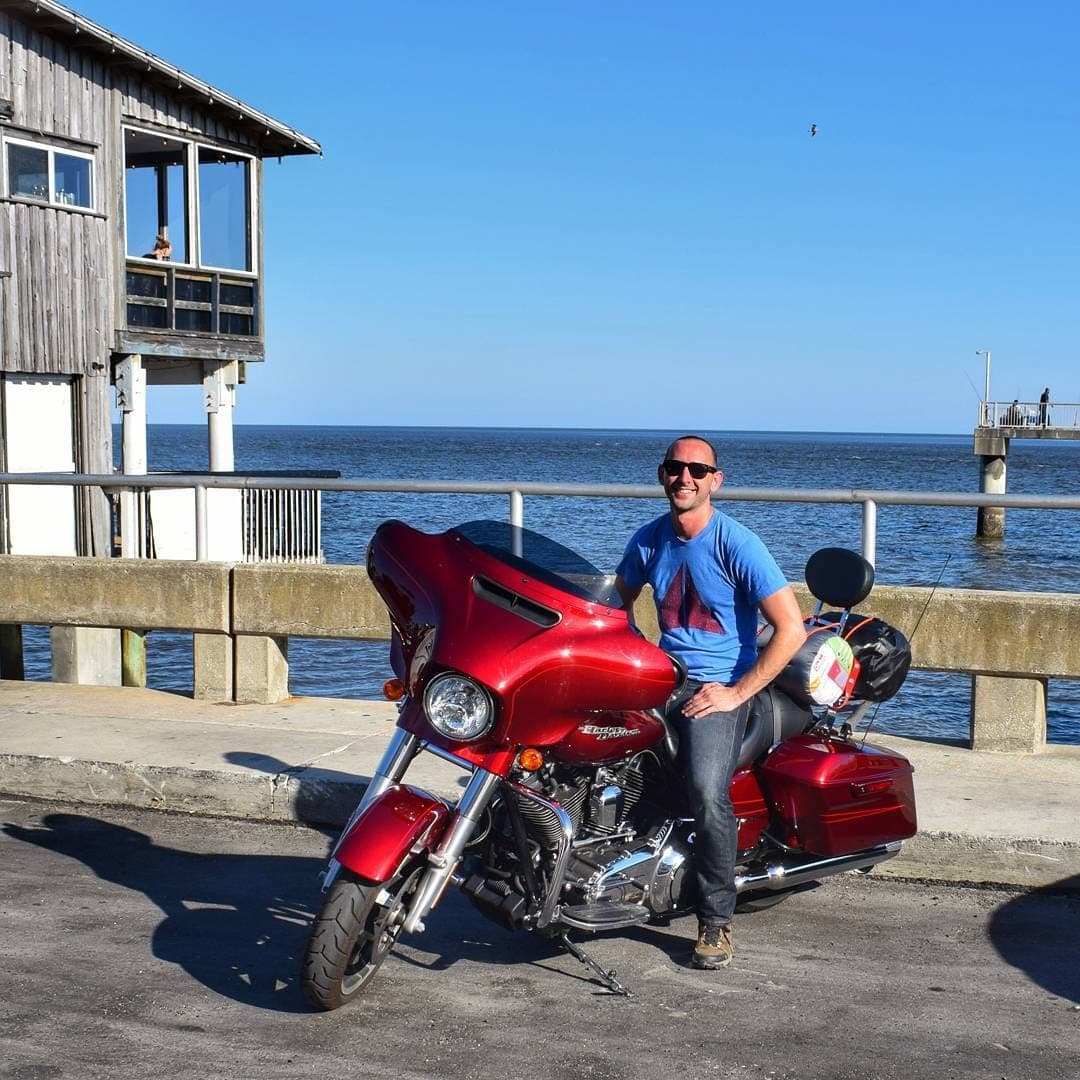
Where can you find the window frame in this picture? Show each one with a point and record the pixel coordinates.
(51, 149)
(194, 222)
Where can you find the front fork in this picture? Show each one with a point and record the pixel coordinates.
(396, 759)
(443, 861)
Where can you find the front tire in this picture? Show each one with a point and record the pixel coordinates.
(352, 935)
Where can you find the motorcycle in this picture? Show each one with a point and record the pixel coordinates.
(515, 660)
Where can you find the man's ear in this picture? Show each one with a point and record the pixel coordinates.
(660, 475)
(719, 474)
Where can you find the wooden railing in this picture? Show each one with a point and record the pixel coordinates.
(169, 298)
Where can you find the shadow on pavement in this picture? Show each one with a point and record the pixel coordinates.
(236, 923)
(1039, 933)
(321, 796)
(239, 923)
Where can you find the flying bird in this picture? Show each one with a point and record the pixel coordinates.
(813, 130)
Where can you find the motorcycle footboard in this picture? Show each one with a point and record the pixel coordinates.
(401, 820)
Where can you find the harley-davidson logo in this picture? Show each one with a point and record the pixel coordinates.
(606, 731)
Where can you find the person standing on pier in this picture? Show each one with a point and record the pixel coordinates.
(1044, 407)
(711, 577)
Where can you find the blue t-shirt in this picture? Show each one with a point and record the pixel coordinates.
(707, 592)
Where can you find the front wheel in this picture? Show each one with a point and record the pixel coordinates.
(352, 935)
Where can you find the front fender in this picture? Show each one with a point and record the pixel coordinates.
(397, 821)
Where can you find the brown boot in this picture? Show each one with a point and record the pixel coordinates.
(713, 949)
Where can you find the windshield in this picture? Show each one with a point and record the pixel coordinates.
(543, 559)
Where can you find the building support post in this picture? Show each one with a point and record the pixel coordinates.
(131, 400)
(215, 655)
(993, 450)
(219, 396)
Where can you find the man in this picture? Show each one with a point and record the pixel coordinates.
(711, 577)
(1044, 407)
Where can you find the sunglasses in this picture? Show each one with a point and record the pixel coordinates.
(697, 469)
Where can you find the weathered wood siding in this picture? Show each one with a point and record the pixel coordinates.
(56, 307)
(64, 298)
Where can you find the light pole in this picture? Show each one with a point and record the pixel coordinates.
(986, 390)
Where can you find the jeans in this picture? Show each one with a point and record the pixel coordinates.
(708, 750)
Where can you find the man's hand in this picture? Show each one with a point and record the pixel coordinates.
(713, 697)
(782, 610)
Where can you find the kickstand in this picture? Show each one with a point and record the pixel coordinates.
(606, 977)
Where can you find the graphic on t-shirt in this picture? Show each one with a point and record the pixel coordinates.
(683, 608)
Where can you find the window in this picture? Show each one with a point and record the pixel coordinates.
(156, 194)
(189, 213)
(49, 175)
(197, 198)
(224, 210)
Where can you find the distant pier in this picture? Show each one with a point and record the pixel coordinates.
(999, 423)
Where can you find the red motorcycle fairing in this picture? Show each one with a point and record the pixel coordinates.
(559, 657)
(387, 831)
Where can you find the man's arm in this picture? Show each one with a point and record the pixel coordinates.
(782, 610)
(628, 595)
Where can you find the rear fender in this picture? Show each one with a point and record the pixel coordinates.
(400, 820)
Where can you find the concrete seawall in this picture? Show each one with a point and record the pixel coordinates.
(1010, 643)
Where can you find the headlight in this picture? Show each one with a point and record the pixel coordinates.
(457, 707)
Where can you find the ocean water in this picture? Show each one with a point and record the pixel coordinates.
(916, 545)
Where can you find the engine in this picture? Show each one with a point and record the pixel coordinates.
(628, 847)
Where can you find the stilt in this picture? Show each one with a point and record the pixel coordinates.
(993, 451)
(133, 657)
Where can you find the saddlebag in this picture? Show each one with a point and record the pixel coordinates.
(837, 797)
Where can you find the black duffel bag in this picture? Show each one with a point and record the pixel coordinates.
(883, 652)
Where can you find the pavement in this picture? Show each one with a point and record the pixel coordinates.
(985, 818)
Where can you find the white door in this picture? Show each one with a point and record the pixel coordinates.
(39, 436)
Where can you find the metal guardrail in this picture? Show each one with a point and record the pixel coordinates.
(516, 490)
(1029, 414)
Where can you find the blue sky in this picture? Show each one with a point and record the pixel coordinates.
(601, 214)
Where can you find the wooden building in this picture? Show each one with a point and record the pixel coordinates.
(105, 149)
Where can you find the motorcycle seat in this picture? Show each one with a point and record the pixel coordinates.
(774, 717)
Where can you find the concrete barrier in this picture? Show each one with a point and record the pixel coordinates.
(150, 595)
(1008, 643)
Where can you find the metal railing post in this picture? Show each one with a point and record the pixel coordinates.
(517, 518)
(869, 531)
(201, 545)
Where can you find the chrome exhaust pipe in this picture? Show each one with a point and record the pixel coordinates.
(779, 876)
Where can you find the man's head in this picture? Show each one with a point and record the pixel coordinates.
(689, 474)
